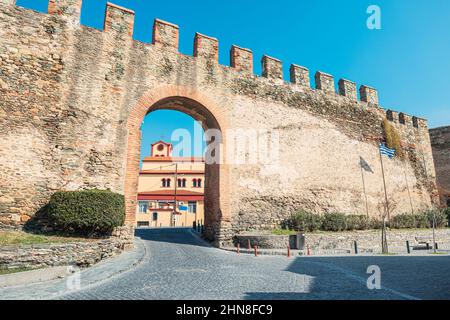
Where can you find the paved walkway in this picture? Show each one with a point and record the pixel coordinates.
(179, 265)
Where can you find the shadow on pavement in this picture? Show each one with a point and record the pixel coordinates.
(171, 235)
(345, 278)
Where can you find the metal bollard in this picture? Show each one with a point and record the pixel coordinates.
(436, 246)
(256, 250)
(203, 229)
(194, 225)
(238, 248)
(356, 247)
(288, 251)
(408, 248)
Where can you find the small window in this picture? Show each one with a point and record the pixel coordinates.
(194, 183)
(163, 183)
(168, 183)
(192, 206)
(155, 216)
(181, 183)
(143, 206)
(199, 183)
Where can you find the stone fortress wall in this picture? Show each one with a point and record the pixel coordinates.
(440, 142)
(73, 98)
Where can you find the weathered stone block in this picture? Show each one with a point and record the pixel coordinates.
(206, 47)
(241, 59)
(368, 94)
(392, 116)
(404, 118)
(324, 82)
(347, 89)
(272, 68)
(119, 20)
(65, 7)
(300, 75)
(165, 35)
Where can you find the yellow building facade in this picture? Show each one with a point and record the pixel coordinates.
(171, 190)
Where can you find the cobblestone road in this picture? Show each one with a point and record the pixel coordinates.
(181, 266)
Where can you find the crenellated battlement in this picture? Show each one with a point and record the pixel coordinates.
(165, 35)
(118, 19)
(73, 100)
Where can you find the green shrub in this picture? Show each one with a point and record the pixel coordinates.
(375, 223)
(357, 222)
(447, 213)
(334, 222)
(439, 215)
(89, 212)
(305, 221)
(422, 221)
(403, 221)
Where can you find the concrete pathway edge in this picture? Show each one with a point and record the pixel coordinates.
(101, 272)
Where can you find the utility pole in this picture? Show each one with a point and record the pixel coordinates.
(175, 195)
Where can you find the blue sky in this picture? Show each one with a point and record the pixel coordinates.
(408, 60)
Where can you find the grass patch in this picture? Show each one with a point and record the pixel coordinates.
(283, 232)
(4, 271)
(9, 238)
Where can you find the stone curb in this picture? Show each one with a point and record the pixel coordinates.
(32, 276)
(90, 277)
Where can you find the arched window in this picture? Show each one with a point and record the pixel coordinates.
(199, 183)
(168, 183)
(194, 183)
(181, 183)
(163, 183)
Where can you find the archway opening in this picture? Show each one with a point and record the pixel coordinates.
(171, 186)
(166, 183)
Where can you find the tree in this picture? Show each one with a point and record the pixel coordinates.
(384, 209)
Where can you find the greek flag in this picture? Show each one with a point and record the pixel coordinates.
(387, 151)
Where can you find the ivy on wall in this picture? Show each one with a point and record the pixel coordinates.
(393, 139)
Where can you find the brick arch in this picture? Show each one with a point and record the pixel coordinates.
(215, 117)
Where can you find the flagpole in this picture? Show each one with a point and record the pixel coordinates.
(384, 184)
(364, 188)
(384, 247)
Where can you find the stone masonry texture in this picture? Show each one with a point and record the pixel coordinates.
(440, 142)
(73, 99)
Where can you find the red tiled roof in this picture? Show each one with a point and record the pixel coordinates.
(173, 159)
(172, 193)
(172, 172)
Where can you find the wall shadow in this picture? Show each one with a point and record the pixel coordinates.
(171, 235)
(345, 278)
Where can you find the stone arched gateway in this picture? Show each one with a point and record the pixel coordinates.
(73, 98)
(201, 108)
